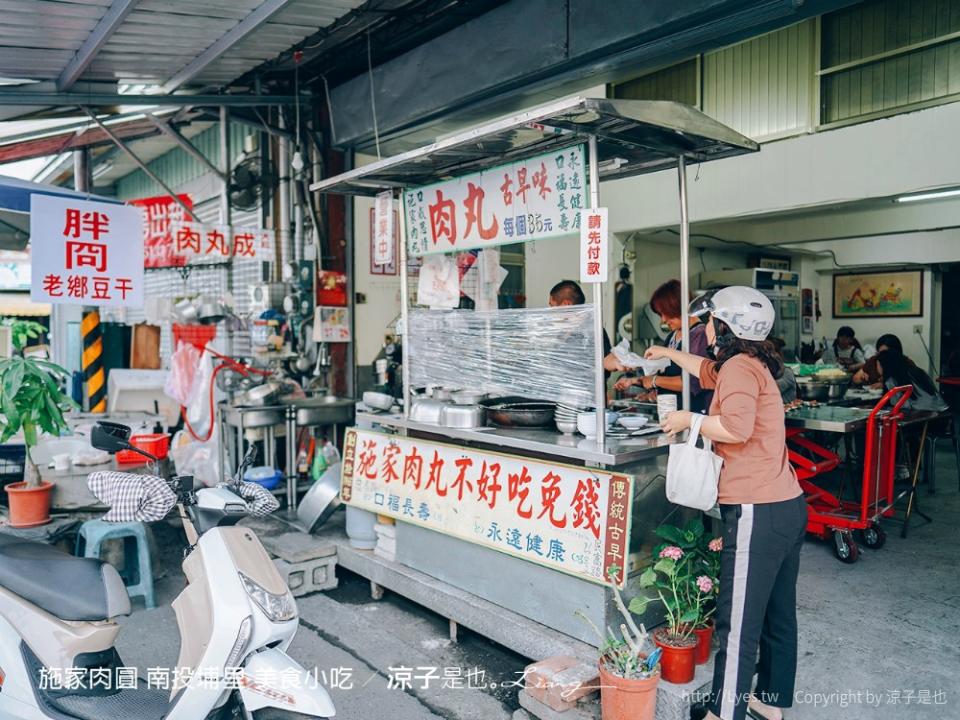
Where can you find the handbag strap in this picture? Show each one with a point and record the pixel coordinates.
(696, 420)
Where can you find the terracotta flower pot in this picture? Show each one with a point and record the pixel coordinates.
(704, 639)
(677, 663)
(29, 506)
(623, 699)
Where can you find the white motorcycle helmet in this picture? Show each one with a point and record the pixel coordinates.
(747, 312)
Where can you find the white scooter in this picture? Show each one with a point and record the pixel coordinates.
(236, 618)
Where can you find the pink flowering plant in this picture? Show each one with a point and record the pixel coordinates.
(683, 577)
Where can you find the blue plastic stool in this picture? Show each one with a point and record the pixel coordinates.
(137, 572)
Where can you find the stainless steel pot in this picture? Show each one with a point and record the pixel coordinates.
(813, 390)
(467, 397)
(321, 499)
(463, 416)
(427, 411)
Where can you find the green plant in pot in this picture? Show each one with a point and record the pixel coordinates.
(628, 673)
(31, 402)
(672, 580)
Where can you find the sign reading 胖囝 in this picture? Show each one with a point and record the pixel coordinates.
(572, 519)
(85, 253)
(533, 199)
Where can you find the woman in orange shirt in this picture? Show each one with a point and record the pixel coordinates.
(763, 509)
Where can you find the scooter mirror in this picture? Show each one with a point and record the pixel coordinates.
(110, 437)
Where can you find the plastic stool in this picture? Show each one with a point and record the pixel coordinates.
(137, 572)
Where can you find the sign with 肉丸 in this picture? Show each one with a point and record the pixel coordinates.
(85, 253)
(572, 519)
(532, 199)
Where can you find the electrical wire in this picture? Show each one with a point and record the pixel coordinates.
(373, 99)
(333, 128)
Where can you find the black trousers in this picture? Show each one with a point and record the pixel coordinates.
(757, 605)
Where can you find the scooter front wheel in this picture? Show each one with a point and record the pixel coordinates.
(278, 714)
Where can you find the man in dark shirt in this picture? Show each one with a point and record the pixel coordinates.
(567, 292)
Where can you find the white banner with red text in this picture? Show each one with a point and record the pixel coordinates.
(533, 199)
(572, 519)
(85, 253)
(205, 243)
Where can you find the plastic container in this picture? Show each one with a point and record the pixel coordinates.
(157, 444)
(265, 476)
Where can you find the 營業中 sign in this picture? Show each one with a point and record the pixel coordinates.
(85, 253)
(572, 519)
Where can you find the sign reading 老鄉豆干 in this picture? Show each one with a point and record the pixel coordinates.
(533, 199)
(85, 253)
(572, 519)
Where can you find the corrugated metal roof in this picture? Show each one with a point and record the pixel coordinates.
(156, 40)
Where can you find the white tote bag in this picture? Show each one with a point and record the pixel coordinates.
(692, 472)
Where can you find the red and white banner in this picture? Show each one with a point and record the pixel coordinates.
(383, 246)
(219, 243)
(85, 253)
(572, 519)
(160, 214)
(593, 246)
(533, 199)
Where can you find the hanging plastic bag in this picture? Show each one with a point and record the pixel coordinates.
(183, 369)
(200, 459)
(198, 403)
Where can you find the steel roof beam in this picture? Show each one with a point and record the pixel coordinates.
(112, 19)
(185, 144)
(27, 98)
(137, 161)
(237, 33)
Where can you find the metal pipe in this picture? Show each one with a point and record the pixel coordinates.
(137, 161)
(404, 313)
(187, 146)
(225, 164)
(684, 274)
(81, 170)
(601, 380)
(283, 168)
(298, 200)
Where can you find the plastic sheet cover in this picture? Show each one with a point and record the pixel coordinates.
(537, 353)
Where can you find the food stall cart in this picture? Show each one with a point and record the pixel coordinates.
(529, 519)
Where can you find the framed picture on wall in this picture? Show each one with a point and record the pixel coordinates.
(807, 326)
(878, 294)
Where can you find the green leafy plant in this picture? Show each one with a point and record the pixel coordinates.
(30, 396)
(623, 655)
(683, 578)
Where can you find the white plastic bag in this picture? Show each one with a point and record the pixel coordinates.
(200, 459)
(692, 472)
(198, 403)
(630, 359)
(183, 368)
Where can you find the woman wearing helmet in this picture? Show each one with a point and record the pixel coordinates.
(763, 509)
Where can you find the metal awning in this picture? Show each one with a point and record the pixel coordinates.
(633, 137)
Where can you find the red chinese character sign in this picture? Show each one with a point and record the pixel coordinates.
(161, 214)
(203, 243)
(533, 199)
(593, 246)
(85, 253)
(383, 246)
(572, 519)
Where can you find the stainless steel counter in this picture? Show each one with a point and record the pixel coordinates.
(615, 452)
(829, 418)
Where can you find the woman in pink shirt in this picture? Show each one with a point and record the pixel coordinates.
(763, 509)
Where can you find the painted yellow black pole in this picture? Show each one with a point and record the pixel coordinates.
(93, 361)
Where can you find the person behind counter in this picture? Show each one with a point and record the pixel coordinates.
(787, 382)
(667, 303)
(763, 509)
(897, 370)
(870, 374)
(845, 350)
(567, 292)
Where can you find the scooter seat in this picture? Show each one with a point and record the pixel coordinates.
(67, 587)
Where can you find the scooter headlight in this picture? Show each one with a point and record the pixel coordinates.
(279, 608)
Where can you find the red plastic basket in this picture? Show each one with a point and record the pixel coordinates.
(157, 444)
(197, 335)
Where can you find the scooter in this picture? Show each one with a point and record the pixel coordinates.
(58, 623)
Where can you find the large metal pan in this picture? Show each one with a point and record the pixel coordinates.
(519, 412)
(321, 499)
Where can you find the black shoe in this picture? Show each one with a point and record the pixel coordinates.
(756, 715)
(698, 711)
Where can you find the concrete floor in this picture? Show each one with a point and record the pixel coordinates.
(878, 639)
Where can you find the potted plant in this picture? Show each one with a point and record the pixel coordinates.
(707, 583)
(31, 401)
(628, 674)
(674, 580)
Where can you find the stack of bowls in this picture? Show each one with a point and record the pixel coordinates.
(587, 422)
(566, 418)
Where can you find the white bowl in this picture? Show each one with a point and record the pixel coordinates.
(587, 422)
(633, 422)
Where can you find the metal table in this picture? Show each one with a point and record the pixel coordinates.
(829, 418)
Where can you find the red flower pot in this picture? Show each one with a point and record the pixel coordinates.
(677, 663)
(704, 639)
(29, 506)
(622, 699)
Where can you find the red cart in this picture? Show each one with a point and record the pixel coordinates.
(827, 514)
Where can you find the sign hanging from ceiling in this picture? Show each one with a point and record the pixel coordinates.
(85, 253)
(533, 199)
(161, 213)
(200, 242)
